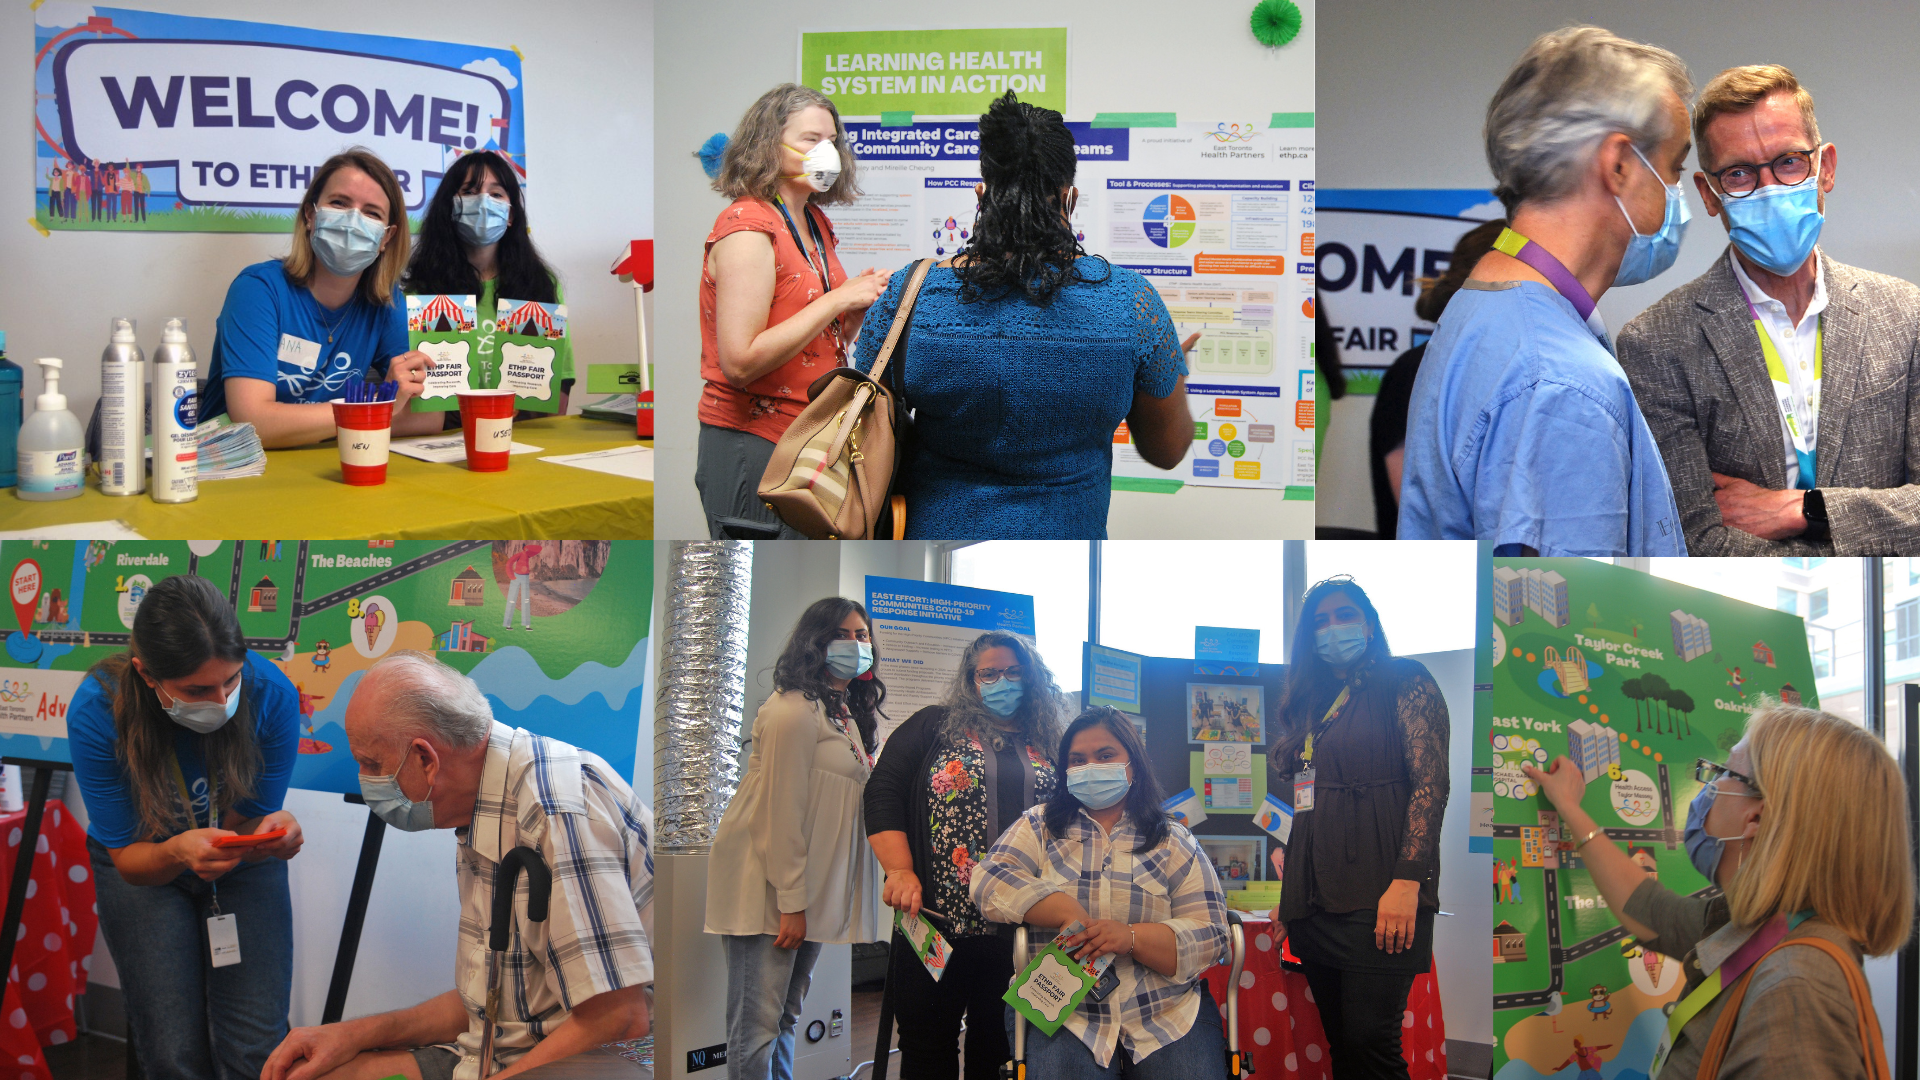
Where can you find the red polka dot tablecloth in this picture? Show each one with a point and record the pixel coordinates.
(1280, 1027)
(54, 948)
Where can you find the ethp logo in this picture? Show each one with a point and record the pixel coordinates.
(1233, 133)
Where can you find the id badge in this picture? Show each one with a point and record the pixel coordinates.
(1660, 1052)
(1108, 980)
(1303, 790)
(223, 936)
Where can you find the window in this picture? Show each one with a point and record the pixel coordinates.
(1787, 600)
(1820, 646)
(1054, 573)
(1906, 630)
(1154, 592)
(1422, 595)
(1817, 604)
(1803, 563)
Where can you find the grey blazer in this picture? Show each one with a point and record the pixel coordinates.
(1701, 381)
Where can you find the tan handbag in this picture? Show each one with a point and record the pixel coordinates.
(831, 474)
(1873, 1048)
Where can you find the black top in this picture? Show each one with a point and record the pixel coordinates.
(1389, 430)
(1380, 791)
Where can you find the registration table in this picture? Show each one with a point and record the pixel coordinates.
(1280, 1026)
(55, 948)
(301, 494)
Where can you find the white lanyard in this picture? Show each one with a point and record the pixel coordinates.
(1799, 411)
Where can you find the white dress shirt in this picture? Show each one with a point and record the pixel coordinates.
(1795, 344)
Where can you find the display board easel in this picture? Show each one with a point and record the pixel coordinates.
(29, 843)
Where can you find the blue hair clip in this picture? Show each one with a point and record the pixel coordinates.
(709, 154)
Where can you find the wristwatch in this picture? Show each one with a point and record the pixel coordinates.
(1813, 507)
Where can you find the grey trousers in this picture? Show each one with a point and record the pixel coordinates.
(728, 476)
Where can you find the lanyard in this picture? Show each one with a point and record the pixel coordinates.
(1513, 244)
(186, 797)
(1803, 416)
(819, 246)
(1728, 972)
(1333, 713)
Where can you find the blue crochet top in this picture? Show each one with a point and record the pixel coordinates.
(1015, 404)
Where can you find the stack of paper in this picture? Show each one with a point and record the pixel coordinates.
(229, 450)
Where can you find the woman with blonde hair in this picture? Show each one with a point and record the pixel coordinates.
(776, 309)
(295, 331)
(1804, 829)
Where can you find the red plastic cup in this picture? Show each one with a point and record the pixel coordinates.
(486, 419)
(364, 430)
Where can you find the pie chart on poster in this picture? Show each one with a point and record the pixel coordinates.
(1168, 221)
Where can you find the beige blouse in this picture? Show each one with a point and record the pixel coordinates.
(794, 839)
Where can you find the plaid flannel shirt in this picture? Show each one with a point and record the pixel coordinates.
(595, 836)
(1173, 884)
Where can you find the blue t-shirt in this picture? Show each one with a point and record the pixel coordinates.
(1015, 404)
(1523, 430)
(112, 813)
(275, 331)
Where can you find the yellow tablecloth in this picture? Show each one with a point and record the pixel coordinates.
(301, 495)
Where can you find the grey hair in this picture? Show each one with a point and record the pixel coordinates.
(1571, 89)
(750, 164)
(1038, 721)
(431, 700)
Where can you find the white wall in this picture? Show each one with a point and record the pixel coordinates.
(1406, 93)
(1459, 938)
(589, 107)
(1127, 56)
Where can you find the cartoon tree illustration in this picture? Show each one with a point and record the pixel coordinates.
(1683, 704)
(1631, 689)
(1593, 616)
(1635, 626)
(1656, 689)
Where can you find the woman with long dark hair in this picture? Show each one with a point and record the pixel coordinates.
(788, 872)
(1101, 853)
(1362, 745)
(955, 776)
(474, 241)
(185, 739)
(1025, 354)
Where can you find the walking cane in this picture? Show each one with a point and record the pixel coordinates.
(500, 933)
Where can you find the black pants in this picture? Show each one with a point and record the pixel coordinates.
(929, 1012)
(1361, 1012)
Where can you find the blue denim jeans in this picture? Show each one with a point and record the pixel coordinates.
(190, 1020)
(1200, 1054)
(766, 989)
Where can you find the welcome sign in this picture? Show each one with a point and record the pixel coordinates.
(155, 122)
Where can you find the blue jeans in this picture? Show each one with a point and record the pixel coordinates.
(1200, 1054)
(766, 988)
(190, 1020)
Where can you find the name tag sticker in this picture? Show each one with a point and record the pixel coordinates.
(299, 352)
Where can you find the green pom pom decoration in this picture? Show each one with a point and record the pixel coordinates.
(1275, 22)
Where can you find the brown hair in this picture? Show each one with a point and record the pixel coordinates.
(1467, 252)
(1844, 856)
(750, 165)
(376, 281)
(1738, 89)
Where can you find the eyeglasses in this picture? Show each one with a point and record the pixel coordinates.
(987, 676)
(1790, 169)
(1708, 771)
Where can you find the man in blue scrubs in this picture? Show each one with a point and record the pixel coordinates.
(1523, 429)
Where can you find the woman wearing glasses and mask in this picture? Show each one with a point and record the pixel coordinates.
(1362, 747)
(183, 740)
(1804, 830)
(789, 873)
(955, 776)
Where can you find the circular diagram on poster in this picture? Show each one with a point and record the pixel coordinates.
(1634, 798)
(203, 548)
(132, 591)
(1499, 644)
(375, 624)
(1168, 220)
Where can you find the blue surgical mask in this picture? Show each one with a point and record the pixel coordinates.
(1098, 786)
(1648, 256)
(1003, 696)
(1339, 643)
(1776, 226)
(849, 659)
(204, 717)
(481, 219)
(392, 806)
(345, 241)
(1703, 848)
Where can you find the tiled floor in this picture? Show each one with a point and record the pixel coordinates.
(90, 1057)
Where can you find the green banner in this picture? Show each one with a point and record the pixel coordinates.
(1632, 678)
(936, 72)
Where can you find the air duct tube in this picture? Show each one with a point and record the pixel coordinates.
(703, 683)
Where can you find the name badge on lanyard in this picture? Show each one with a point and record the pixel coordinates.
(1800, 415)
(223, 930)
(1303, 790)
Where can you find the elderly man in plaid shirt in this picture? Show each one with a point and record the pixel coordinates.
(1103, 853)
(432, 756)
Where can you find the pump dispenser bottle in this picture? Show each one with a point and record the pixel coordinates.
(52, 442)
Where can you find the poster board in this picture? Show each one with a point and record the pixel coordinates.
(920, 628)
(1629, 676)
(1113, 678)
(325, 611)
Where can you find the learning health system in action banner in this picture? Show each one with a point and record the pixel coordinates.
(1218, 216)
(1631, 678)
(569, 661)
(168, 123)
(920, 628)
(936, 72)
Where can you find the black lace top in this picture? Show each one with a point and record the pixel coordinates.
(1380, 791)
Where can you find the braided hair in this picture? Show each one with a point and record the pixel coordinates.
(1022, 239)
